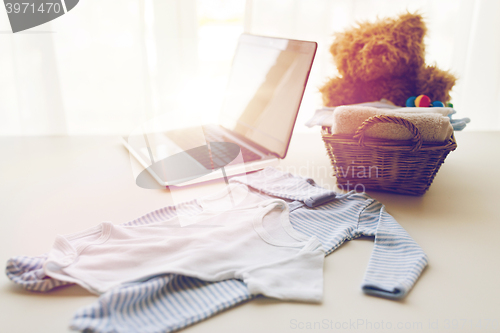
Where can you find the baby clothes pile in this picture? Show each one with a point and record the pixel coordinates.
(434, 123)
(154, 276)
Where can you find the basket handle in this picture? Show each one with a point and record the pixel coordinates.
(360, 132)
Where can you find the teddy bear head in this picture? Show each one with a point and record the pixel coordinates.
(387, 48)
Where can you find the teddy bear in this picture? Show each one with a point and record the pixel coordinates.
(384, 59)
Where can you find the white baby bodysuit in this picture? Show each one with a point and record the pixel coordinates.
(252, 241)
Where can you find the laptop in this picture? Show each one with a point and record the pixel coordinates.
(266, 83)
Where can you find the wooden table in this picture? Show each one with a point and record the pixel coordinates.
(58, 185)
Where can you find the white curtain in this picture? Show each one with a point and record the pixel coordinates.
(108, 65)
(100, 69)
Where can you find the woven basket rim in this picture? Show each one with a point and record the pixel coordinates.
(388, 144)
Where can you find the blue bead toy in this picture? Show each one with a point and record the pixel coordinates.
(410, 102)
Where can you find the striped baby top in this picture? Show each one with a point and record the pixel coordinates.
(169, 302)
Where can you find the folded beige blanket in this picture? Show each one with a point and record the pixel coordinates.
(434, 127)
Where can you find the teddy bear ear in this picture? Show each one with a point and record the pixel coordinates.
(411, 25)
(343, 50)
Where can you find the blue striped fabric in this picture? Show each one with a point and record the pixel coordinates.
(170, 302)
(396, 261)
(28, 272)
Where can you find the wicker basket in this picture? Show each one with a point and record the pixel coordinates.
(406, 167)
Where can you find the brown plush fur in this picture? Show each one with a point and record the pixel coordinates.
(384, 59)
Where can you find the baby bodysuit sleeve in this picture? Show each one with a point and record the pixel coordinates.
(396, 261)
(299, 278)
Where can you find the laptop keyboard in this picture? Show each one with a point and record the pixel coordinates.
(185, 138)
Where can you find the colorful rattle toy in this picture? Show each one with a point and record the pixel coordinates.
(422, 101)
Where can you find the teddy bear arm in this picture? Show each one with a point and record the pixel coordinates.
(338, 91)
(435, 83)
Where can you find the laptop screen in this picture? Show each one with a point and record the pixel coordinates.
(265, 88)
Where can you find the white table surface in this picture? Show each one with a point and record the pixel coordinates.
(58, 185)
